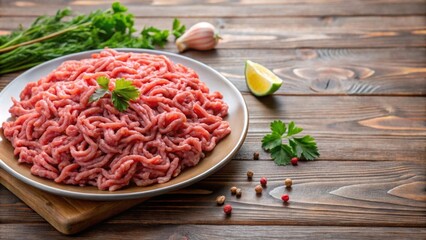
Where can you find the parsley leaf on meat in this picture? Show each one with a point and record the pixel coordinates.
(100, 92)
(304, 147)
(120, 103)
(124, 89)
(103, 82)
(123, 92)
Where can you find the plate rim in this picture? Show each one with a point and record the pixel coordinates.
(133, 195)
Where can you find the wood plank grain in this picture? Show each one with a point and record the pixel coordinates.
(326, 193)
(180, 232)
(11, 204)
(68, 216)
(330, 193)
(322, 71)
(284, 32)
(346, 128)
(328, 71)
(221, 8)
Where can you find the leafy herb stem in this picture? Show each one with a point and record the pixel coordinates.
(7, 49)
(304, 147)
(50, 37)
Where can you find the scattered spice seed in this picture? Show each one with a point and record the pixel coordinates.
(285, 198)
(263, 181)
(220, 200)
(250, 174)
(227, 209)
(294, 161)
(258, 189)
(238, 192)
(256, 155)
(288, 182)
(233, 190)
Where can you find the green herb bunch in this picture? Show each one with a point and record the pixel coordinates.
(302, 147)
(51, 36)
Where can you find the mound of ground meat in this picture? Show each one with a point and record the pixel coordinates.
(64, 137)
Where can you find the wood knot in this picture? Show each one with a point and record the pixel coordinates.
(327, 19)
(334, 79)
(306, 54)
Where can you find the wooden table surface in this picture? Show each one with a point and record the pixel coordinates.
(354, 78)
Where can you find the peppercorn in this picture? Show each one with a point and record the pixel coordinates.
(258, 189)
(263, 181)
(227, 209)
(250, 174)
(294, 161)
(285, 198)
(288, 182)
(256, 155)
(233, 190)
(238, 192)
(220, 200)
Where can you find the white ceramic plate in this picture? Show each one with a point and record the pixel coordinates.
(237, 118)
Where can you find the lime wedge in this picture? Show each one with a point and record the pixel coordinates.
(260, 80)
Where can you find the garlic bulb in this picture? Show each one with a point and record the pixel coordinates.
(201, 36)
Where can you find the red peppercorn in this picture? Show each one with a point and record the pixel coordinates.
(294, 161)
(263, 181)
(285, 198)
(227, 209)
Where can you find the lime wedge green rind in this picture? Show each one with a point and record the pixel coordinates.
(260, 80)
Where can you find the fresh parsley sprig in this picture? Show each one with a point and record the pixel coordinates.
(123, 92)
(50, 37)
(178, 29)
(304, 147)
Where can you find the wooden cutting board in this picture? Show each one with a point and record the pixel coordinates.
(67, 215)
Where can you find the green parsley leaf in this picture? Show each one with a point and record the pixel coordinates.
(155, 36)
(282, 154)
(126, 90)
(278, 127)
(119, 102)
(304, 147)
(118, 7)
(271, 141)
(98, 94)
(292, 129)
(122, 83)
(178, 29)
(123, 92)
(103, 82)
